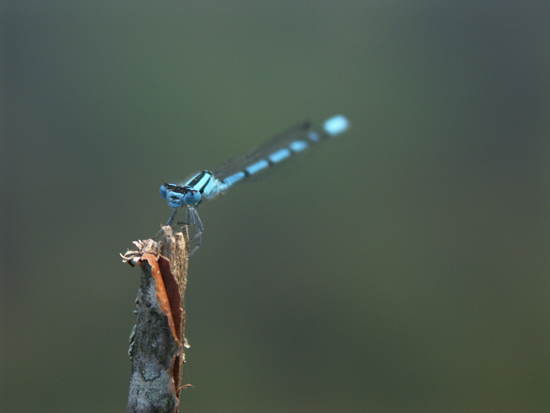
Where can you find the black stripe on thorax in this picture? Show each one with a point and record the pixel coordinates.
(207, 181)
(196, 179)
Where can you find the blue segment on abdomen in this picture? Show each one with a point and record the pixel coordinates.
(314, 136)
(279, 155)
(298, 146)
(230, 180)
(258, 166)
(336, 125)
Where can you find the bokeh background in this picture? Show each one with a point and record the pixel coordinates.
(402, 268)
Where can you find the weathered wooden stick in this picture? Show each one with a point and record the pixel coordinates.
(158, 339)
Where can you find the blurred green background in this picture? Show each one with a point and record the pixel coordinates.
(403, 268)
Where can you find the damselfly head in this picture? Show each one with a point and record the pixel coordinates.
(179, 196)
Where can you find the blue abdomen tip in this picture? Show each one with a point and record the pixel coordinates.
(336, 125)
